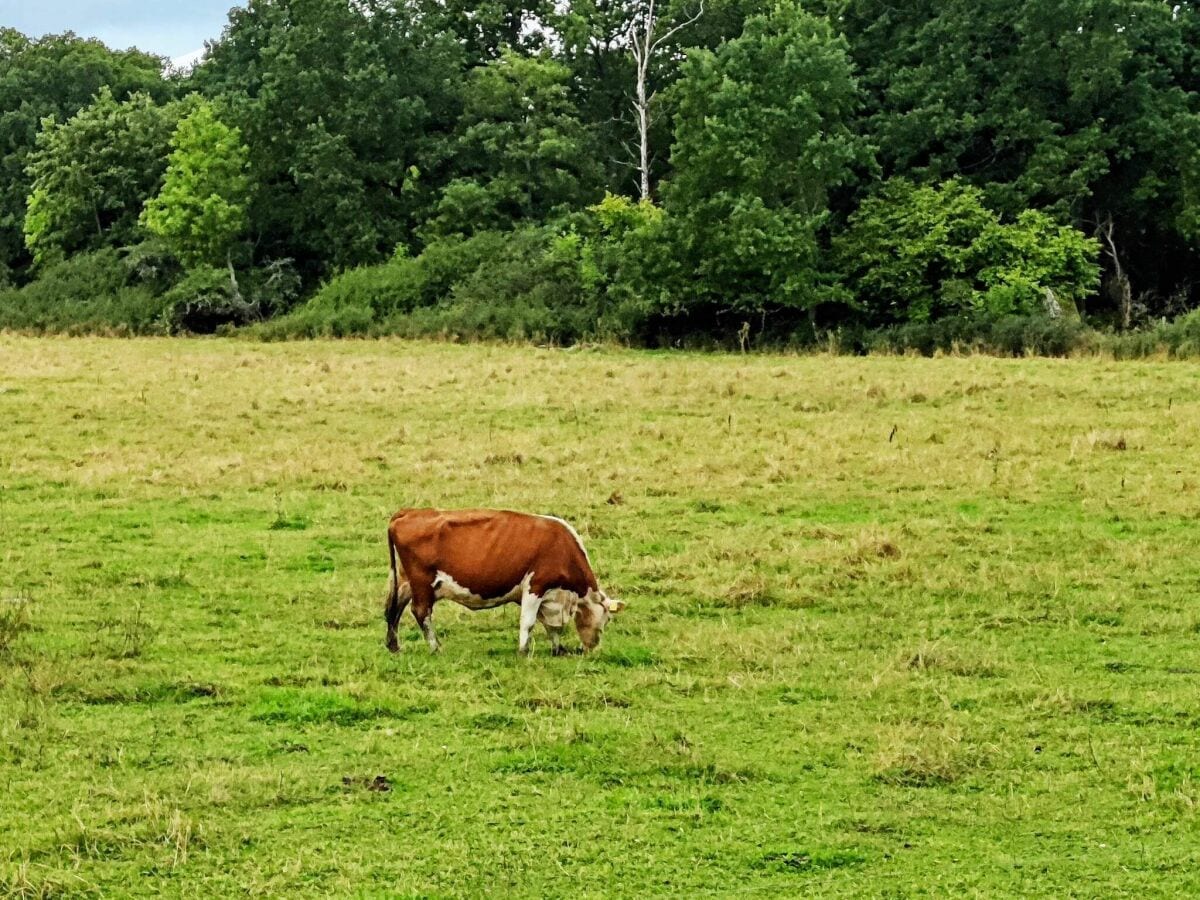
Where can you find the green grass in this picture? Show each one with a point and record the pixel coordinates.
(896, 626)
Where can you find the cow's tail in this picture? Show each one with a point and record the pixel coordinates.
(392, 608)
(392, 600)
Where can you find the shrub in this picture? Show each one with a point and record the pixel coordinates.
(88, 292)
(625, 261)
(526, 283)
(1013, 335)
(920, 253)
(533, 288)
(379, 290)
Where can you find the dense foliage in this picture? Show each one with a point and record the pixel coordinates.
(201, 210)
(922, 253)
(93, 173)
(474, 169)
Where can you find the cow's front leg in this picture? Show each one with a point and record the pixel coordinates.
(530, 604)
(552, 616)
(430, 635)
(556, 646)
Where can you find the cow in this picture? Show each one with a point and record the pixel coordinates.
(484, 558)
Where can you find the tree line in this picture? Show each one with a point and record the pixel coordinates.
(647, 170)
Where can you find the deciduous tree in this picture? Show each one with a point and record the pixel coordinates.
(762, 135)
(346, 108)
(201, 210)
(522, 154)
(92, 173)
(54, 77)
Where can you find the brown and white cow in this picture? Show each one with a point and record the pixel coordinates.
(484, 558)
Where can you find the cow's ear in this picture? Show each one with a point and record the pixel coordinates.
(614, 606)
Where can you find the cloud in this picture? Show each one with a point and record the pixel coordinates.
(169, 29)
(185, 62)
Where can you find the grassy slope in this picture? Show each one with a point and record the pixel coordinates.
(963, 659)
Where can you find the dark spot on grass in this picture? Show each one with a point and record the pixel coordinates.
(1100, 709)
(862, 826)
(708, 772)
(298, 681)
(319, 562)
(503, 459)
(801, 694)
(145, 693)
(311, 706)
(582, 754)
(339, 625)
(600, 701)
(339, 486)
(609, 700)
(530, 764)
(15, 620)
(915, 777)
(630, 657)
(686, 803)
(810, 861)
(379, 784)
(492, 722)
(170, 580)
(289, 523)
(707, 506)
(1120, 668)
(546, 703)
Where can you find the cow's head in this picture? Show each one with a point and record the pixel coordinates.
(592, 614)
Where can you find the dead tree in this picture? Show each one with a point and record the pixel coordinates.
(1123, 289)
(645, 46)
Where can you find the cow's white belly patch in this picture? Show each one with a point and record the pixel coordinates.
(446, 588)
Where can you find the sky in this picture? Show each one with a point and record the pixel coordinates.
(170, 28)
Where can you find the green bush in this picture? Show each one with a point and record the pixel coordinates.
(1179, 338)
(921, 253)
(625, 260)
(381, 290)
(87, 292)
(362, 299)
(526, 283)
(532, 288)
(1012, 335)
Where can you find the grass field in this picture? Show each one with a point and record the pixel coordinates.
(896, 627)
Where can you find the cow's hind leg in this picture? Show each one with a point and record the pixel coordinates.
(397, 600)
(422, 607)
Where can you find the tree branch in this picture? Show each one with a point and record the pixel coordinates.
(682, 25)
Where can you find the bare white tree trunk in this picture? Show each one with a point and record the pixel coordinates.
(1120, 278)
(642, 106)
(645, 45)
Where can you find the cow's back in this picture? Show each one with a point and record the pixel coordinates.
(491, 551)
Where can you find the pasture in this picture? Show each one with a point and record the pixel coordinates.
(896, 627)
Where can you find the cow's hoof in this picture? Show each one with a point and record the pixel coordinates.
(393, 646)
(523, 651)
(560, 651)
